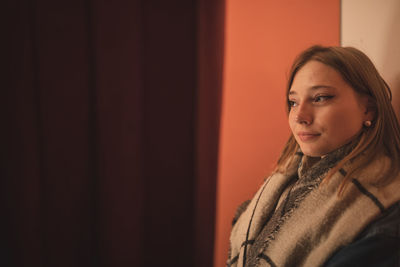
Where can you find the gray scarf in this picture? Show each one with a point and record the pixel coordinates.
(294, 220)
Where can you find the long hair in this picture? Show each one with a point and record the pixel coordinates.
(383, 136)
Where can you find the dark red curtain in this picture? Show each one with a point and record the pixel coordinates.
(110, 118)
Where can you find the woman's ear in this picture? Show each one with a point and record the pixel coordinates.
(370, 108)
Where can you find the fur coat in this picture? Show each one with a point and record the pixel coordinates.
(295, 220)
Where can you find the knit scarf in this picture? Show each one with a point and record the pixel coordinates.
(294, 220)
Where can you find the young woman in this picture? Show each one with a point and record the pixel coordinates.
(334, 198)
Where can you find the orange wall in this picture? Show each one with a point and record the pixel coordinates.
(262, 39)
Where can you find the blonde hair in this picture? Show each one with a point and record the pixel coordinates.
(383, 136)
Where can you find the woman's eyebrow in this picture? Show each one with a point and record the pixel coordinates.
(312, 88)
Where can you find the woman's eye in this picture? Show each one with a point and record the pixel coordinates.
(292, 103)
(322, 98)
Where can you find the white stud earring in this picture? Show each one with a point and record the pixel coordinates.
(367, 123)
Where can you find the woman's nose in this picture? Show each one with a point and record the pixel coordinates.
(304, 114)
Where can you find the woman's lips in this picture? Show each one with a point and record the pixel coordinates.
(307, 136)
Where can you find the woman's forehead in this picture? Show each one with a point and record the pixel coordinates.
(314, 76)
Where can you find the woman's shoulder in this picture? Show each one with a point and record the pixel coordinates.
(377, 245)
(239, 210)
(388, 224)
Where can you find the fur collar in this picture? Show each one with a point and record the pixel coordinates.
(294, 220)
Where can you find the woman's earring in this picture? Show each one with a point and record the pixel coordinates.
(367, 123)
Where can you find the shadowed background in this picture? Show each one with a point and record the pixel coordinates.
(109, 152)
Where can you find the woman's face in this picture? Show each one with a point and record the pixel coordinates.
(326, 113)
